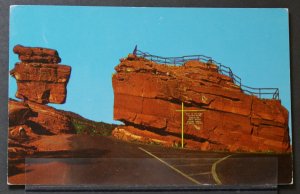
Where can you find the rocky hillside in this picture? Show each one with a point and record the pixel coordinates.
(36, 128)
(29, 121)
(148, 98)
(42, 80)
(89, 127)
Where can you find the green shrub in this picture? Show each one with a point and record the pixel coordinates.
(92, 128)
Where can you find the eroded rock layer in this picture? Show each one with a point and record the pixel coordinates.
(37, 54)
(40, 80)
(149, 96)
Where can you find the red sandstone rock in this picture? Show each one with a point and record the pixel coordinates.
(42, 120)
(40, 80)
(21, 132)
(37, 54)
(39, 77)
(49, 120)
(30, 124)
(147, 95)
(42, 83)
(132, 134)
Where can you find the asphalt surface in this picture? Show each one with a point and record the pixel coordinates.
(109, 162)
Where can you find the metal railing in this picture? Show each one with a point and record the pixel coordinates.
(222, 69)
(261, 92)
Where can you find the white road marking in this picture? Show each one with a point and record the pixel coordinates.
(170, 166)
(214, 172)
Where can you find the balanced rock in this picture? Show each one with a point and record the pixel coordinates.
(149, 96)
(40, 82)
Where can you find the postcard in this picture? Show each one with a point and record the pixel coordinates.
(149, 97)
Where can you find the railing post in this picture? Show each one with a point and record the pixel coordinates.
(210, 61)
(230, 74)
(134, 50)
(259, 92)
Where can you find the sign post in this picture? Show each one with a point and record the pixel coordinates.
(182, 121)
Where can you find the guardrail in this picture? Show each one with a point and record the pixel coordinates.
(224, 70)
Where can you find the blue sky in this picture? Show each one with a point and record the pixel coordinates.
(253, 42)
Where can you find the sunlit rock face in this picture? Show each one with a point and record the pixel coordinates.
(148, 98)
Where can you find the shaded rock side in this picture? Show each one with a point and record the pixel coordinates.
(41, 82)
(148, 96)
(138, 135)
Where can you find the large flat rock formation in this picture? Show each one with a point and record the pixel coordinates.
(148, 99)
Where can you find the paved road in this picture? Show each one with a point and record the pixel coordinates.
(109, 162)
